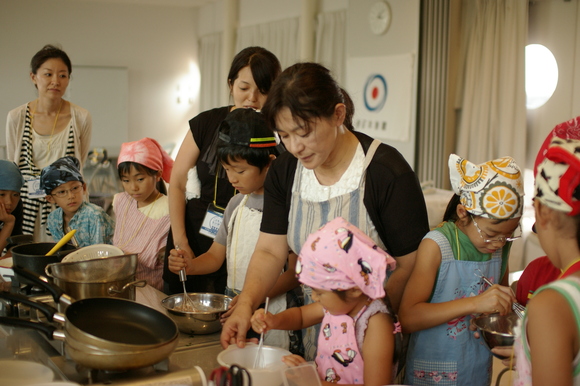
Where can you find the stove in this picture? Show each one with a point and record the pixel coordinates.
(191, 362)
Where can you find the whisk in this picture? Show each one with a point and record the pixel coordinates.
(187, 305)
(516, 307)
(259, 360)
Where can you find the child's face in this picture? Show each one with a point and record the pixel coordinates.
(9, 199)
(487, 236)
(68, 196)
(245, 177)
(141, 186)
(333, 303)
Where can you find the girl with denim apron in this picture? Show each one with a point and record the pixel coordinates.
(473, 242)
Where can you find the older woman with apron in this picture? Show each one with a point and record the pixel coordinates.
(340, 173)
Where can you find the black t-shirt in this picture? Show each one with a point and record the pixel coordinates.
(393, 198)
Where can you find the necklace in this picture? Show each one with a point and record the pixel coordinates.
(53, 126)
(140, 225)
(572, 268)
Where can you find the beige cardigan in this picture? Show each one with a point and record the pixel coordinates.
(81, 122)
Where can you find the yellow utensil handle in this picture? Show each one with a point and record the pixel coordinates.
(62, 242)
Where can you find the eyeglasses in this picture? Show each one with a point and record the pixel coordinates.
(499, 239)
(64, 193)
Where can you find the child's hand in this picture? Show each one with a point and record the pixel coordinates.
(497, 298)
(5, 217)
(177, 260)
(507, 352)
(261, 322)
(293, 360)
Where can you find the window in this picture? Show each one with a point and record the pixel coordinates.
(541, 75)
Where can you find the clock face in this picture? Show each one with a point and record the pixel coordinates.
(379, 17)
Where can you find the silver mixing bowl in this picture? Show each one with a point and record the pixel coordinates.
(497, 330)
(206, 317)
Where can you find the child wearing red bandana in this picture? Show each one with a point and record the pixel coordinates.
(547, 339)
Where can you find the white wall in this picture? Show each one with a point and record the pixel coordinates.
(158, 45)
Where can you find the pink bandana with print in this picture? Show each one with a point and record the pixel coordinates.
(339, 256)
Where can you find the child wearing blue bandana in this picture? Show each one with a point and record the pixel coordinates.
(64, 186)
(11, 182)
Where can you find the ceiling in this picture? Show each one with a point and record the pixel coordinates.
(175, 3)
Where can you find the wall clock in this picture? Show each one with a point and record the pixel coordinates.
(380, 17)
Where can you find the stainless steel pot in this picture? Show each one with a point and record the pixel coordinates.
(205, 320)
(105, 277)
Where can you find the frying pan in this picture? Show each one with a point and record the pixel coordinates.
(106, 333)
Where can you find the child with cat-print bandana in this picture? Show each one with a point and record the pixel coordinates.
(346, 271)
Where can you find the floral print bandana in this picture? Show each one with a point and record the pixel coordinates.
(492, 190)
(59, 172)
(558, 176)
(339, 256)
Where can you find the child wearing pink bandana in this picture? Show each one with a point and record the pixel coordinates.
(142, 211)
(346, 271)
(446, 289)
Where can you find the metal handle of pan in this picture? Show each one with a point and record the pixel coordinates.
(50, 312)
(50, 331)
(57, 294)
(138, 283)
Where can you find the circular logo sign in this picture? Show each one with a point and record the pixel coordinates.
(375, 92)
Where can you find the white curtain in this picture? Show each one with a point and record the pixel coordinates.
(492, 114)
(280, 37)
(331, 43)
(210, 71)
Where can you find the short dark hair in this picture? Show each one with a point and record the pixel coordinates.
(309, 91)
(264, 65)
(49, 52)
(244, 135)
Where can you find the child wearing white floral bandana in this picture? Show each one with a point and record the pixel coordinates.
(548, 338)
(446, 287)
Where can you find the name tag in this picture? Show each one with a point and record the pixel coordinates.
(34, 190)
(211, 222)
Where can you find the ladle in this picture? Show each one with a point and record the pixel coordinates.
(65, 239)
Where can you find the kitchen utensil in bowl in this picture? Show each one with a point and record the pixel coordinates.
(517, 308)
(497, 330)
(187, 304)
(65, 239)
(206, 317)
(96, 251)
(259, 360)
(269, 375)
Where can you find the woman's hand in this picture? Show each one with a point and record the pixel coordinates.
(497, 298)
(236, 326)
(293, 360)
(230, 310)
